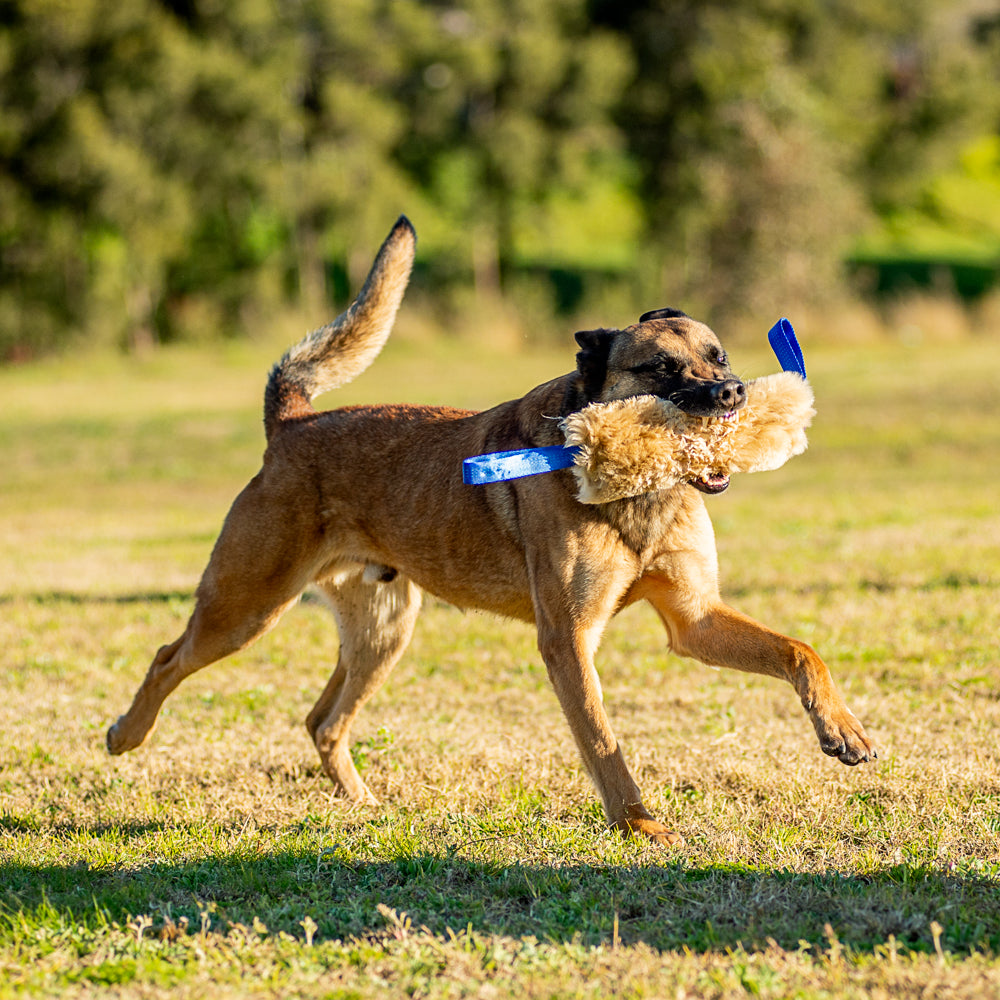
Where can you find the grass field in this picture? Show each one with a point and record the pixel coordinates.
(216, 862)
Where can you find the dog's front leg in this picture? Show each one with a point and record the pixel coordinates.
(704, 627)
(569, 629)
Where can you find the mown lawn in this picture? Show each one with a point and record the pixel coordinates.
(216, 862)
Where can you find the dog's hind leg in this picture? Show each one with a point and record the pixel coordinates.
(251, 579)
(215, 630)
(375, 616)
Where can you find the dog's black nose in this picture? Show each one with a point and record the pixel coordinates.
(730, 394)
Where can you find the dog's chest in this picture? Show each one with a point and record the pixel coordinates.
(652, 523)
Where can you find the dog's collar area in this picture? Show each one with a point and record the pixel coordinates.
(499, 466)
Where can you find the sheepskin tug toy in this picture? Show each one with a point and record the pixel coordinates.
(627, 447)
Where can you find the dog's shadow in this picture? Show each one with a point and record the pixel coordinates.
(665, 905)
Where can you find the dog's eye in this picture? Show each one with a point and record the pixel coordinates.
(658, 365)
(722, 358)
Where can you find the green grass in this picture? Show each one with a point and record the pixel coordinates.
(216, 861)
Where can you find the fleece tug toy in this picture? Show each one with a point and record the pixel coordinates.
(642, 444)
(632, 446)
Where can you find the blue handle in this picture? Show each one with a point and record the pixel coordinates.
(781, 337)
(502, 465)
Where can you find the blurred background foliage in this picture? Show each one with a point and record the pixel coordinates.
(195, 169)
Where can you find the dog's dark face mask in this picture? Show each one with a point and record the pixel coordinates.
(665, 354)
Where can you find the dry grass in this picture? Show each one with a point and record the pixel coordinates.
(216, 861)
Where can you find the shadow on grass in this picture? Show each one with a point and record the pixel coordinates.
(663, 905)
(75, 598)
(82, 598)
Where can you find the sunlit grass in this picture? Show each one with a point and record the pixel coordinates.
(217, 862)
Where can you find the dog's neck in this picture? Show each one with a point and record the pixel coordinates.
(575, 396)
(640, 521)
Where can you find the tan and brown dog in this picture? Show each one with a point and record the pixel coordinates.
(368, 504)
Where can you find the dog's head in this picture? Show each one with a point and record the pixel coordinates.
(665, 354)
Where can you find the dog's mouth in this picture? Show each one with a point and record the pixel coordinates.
(714, 482)
(711, 482)
(709, 412)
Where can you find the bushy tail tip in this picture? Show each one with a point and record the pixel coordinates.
(340, 351)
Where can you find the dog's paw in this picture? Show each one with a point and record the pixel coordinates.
(651, 830)
(119, 740)
(842, 736)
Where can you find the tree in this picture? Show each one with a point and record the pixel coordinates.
(512, 103)
(769, 132)
(136, 163)
(170, 167)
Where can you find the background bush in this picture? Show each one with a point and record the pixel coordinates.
(188, 169)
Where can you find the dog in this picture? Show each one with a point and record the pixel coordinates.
(367, 503)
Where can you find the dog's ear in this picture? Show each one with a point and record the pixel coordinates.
(592, 359)
(663, 314)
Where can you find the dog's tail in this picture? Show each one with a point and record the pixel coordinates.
(338, 352)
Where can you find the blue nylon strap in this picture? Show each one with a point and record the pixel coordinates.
(781, 337)
(503, 465)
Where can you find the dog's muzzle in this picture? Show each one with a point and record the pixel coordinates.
(729, 395)
(711, 399)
